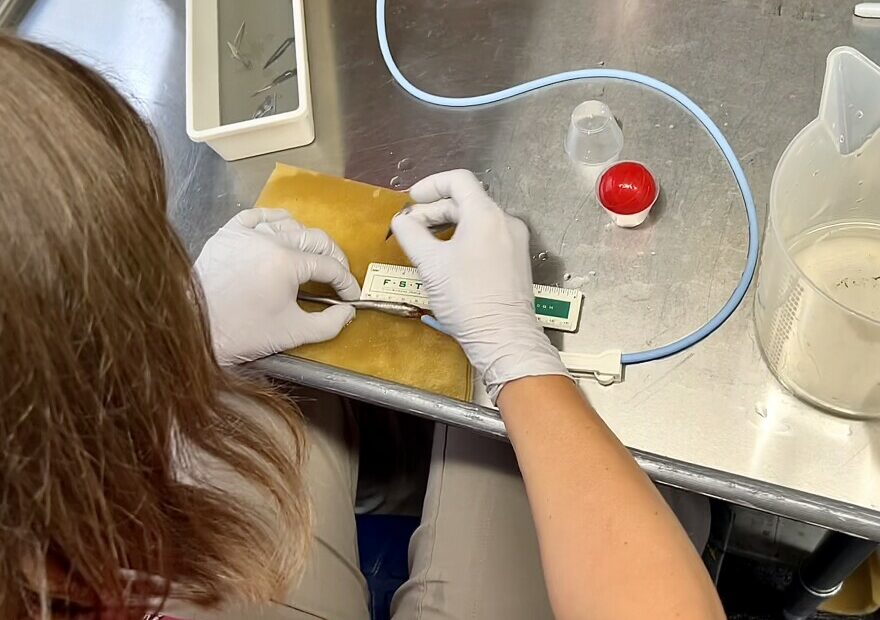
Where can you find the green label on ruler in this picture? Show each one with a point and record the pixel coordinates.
(552, 307)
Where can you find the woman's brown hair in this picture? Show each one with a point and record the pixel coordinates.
(110, 397)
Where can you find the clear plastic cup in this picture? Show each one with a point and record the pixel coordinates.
(594, 138)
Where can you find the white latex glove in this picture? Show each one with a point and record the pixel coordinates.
(251, 271)
(479, 283)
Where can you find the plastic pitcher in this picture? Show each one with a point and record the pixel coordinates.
(817, 308)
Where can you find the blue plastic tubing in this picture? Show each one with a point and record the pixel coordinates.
(625, 76)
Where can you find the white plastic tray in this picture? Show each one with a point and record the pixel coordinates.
(203, 119)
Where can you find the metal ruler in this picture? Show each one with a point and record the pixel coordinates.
(555, 308)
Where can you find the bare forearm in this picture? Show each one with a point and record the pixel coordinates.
(610, 546)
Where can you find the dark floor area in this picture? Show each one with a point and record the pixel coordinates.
(752, 558)
(752, 590)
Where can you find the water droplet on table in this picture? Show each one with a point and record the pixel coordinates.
(484, 178)
(592, 273)
(574, 282)
(566, 276)
(860, 114)
(601, 63)
(671, 126)
(405, 164)
(542, 255)
(395, 182)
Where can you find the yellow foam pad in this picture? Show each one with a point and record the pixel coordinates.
(356, 215)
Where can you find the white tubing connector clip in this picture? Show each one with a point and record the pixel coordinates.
(869, 10)
(606, 368)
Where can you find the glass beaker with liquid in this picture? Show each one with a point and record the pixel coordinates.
(817, 308)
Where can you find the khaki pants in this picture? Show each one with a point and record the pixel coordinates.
(474, 556)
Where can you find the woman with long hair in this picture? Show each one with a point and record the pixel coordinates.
(139, 474)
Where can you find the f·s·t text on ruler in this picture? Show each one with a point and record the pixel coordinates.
(555, 308)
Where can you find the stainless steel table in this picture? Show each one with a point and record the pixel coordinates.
(712, 419)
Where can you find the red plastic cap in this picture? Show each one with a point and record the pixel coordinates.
(626, 188)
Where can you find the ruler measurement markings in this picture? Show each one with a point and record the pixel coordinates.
(555, 308)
